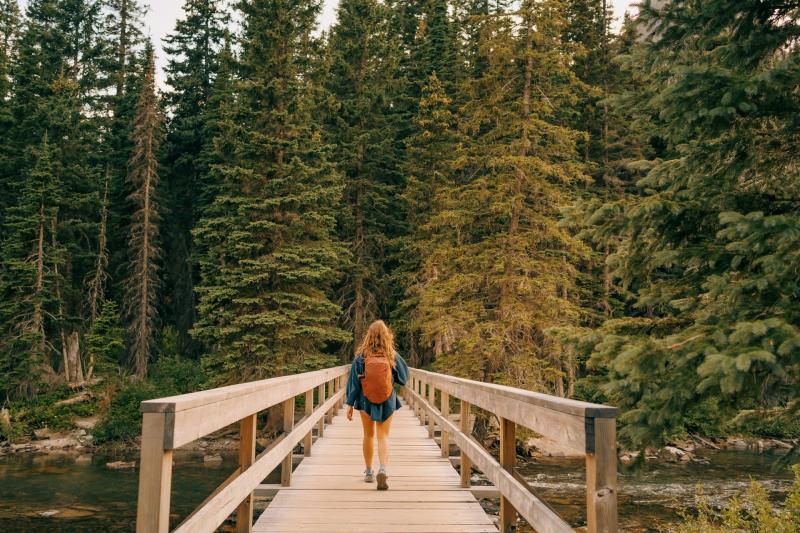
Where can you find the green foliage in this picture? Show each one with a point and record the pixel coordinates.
(168, 376)
(105, 343)
(43, 411)
(266, 245)
(753, 512)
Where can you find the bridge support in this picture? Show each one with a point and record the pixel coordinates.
(155, 476)
(508, 459)
(247, 456)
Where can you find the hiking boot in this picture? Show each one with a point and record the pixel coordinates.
(382, 480)
(369, 477)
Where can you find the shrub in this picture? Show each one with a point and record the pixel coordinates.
(751, 513)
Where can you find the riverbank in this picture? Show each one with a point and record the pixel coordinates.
(75, 492)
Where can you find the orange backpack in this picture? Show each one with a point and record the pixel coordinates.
(376, 381)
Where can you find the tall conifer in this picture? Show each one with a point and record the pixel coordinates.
(143, 282)
(267, 245)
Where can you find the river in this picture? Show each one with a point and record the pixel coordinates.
(90, 497)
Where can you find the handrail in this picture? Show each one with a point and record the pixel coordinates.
(169, 423)
(584, 427)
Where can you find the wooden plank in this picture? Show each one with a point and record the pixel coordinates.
(601, 479)
(466, 464)
(195, 422)
(522, 407)
(247, 456)
(508, 458)
(547, 401)
(320, 401)
(328, 491)
(260, 393)
(155, 476)
(288, 424)
(309, 401)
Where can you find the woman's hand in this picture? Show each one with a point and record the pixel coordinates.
(350, 412)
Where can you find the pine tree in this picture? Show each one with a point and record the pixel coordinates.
(505, 267)
(27, 281)
(144, 243)
(431, 162)
(713, 238)
(193, 48)
(361, 127)
(267, 245)
(9, 35)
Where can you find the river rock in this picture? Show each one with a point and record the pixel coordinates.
(83, 459)
(628, 457)
(86, 423)
(49, 513)
(676, 453)
(118, 465)
(212, 458)
(42, 433)
(5, 420)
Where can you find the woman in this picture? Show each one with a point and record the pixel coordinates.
(377, 343)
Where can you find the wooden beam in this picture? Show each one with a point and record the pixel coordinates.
(466, 464)
(331, 393)
(206, 518)
(445, 410)
(309, 401)
(601, 479)
(201, 419)
(288, 424)
(432, 401)
(522, 407)
(320, 401)
(155, 476)
(508, 459)
(540, 517)
(247, 456)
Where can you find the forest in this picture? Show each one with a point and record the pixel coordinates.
(528, 196)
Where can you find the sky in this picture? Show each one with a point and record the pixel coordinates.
(162, 15)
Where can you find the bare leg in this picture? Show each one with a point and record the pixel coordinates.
(383, 440)
(369, 436)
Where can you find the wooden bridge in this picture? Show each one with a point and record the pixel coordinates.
(326, 491)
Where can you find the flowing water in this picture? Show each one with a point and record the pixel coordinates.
(90, 497)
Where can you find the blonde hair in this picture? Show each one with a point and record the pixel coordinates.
(378, 341)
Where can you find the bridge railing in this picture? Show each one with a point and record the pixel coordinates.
(587, 428)
(169, 423)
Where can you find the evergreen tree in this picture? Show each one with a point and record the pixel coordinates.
(193, 48)
(9, 35)
(713, 238)
(144, 243)
(505, 268)
(27, 281)
(431, 162)
(361, 127)
(267, 245)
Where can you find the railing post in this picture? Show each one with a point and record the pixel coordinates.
(466, 464)
(431, 401)
(508, 457)
(155, 476)
(329, 414)
(288, 424)
(601, 478)
(320, 401)
(445, 410)
(307, 441)
(421, 408)
(247, 456)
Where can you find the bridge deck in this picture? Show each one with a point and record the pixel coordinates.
(328, 492)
